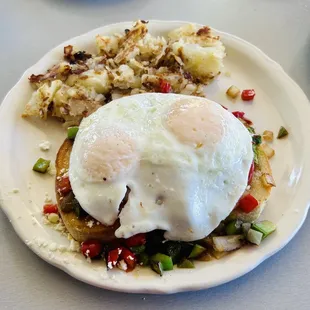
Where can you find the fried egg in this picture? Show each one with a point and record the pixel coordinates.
(184, 159)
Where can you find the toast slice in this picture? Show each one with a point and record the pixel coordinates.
(257, 189)
(84, 228)
(81, 231)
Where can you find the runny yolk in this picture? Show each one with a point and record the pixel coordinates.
(109, 155)
(194, 123)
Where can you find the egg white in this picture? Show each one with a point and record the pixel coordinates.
(185, 159)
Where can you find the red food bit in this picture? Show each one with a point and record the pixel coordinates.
(251, 172)
(165, 87)
(247, 203)
(63, 185)
(136, 240)
(121, 253)
(91, 248)
(248, 94)
(113, 257)
(241, 116)
(50, 208)
(129, 258)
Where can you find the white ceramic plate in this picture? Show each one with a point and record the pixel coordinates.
(279, 101)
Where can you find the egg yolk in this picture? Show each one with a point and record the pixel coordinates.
(109, 155)
(194, 123)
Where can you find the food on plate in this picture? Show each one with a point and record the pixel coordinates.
(268, 135)
(162, 179)
(41, 165)
(233, 91)
(248, 94)
(127, 63)
(282, 133)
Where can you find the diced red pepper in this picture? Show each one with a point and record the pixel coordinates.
(113, 257)
(50, 208)
(240, 115)
(129, 258)
(251, 172)
(165, 87)
(136, 240)
(248, 94)
(63, 185)
(121, 253)
(91, 248)
(247, 203)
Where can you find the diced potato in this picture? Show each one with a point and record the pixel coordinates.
(268, 135)
(233, 91)
(268, 150)
(268, 180)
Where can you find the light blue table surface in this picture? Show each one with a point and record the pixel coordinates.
(30, 28)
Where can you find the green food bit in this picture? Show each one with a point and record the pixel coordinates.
(282, 133)
(157, 267)
(72, 131)
(254, 236)
(196, 251)
(257, 139)
(251, 130)
(186, 263)
(265, 227)
(255, 151)
(138, 249)
(173, 249)
(233, 227)
(41, 165)
(165, 260)
(143, 259)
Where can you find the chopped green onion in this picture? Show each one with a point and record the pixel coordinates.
(265, 227)
(157, 267)
(254, 236)
(138, 249)
(186, 263)
(72, 131)
(165, 260)
(282, 133)
(197, 251)
(41, 165)
(233, 227)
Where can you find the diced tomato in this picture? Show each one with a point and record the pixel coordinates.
(50, 208)
(63, 185)
(251, 172)
(248, 94)
(165, 87)
(247, 203)
(91, 248)
(113, 257)
(129, 258)
(136, 240)
(240, 115)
